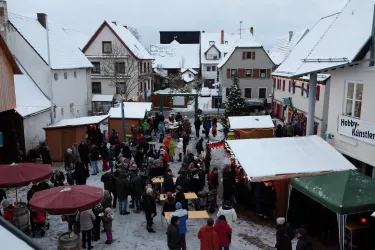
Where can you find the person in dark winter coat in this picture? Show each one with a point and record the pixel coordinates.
(174, 242)
(213, 179)
(185, 141)
(46, 157)
(94, 157)
(109, 181)
(182, 227)
(284, 235)
(207, 126)
(68, 159)
(180, 197)
(126, 152)
(105, 157)
(149, 207)
(137, 186)
(169, 204)
(84, 152)
(106, 200)
(123, 191)
(279, 131)
(197, 125)
(113, 137)
(81, 173)
(58, 178)
(183, 181)
(168, 183)
(304, 241)
(138, 158)
(199, 146)
(96, 229)
(228, 190)
(3, 195)
(224, 232)
(178, 117)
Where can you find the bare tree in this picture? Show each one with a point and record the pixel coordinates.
(122, 70)
(135, 32)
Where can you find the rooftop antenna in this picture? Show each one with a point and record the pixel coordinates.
(241, 29)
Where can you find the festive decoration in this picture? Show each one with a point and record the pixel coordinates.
(235, 103)
(228, 150)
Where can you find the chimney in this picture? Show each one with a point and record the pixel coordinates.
(222, 37)
(125, 26)
(290, 35)
(203, 31)
(42, 19)
(3, 19)
(252, 30)
(114, 23)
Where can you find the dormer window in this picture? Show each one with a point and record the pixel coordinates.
(212, 43)
(226, 42)
(215, 58)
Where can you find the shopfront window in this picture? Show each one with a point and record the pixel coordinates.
(353, 99)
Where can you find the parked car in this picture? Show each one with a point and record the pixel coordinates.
(253, 106)
(205, 91)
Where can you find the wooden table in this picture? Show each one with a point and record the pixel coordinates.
(161, 180)
(188, 196)
(193, 215)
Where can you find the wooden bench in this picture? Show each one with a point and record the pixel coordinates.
(193, 215)
(188, 196)
(161, 180)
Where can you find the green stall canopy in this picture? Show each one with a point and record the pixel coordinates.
(344, 192)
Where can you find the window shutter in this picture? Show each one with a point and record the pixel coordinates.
(253, 55)
(243, 55)
(283, 85)
(289, 86)
(294, 87)
(268, 74)
(228, 73)
(317, 92)
(256, 73)
(308, 89)
(279, 84)
(274, 83)
(302, 87)
(241, 73)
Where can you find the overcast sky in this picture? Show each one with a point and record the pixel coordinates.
(270, 18)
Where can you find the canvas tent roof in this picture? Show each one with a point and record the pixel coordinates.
(250, 122)
(81, 121)
(135, 110)
(102, 98)
(291, 157)
(344, 192)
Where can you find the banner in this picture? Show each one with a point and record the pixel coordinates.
(357, 129)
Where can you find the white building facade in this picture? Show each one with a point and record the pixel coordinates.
(108, 40)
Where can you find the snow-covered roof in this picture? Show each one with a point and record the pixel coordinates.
(284, 45)
(188, 76)
(102, 98)
(250, 122)
(230, 40)
(293, 61)
(344, 39)
(77, 37)
(64, 53)
(135, 110)
(191, 70)
(254, 157)
(29, 98)
(81, 121)
(131, 42)
(175, 56)
(11, 241)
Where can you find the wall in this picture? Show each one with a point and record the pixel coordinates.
(70, 90)
(210, 74)
(301, 102)
(33, 129)
(261, 61)
(30, 60)
(7, 91)
(359, 150)
(53, 140)
(116, 123)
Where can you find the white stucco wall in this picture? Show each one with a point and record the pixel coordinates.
(359, 150)
(72, 90)
(33, 129)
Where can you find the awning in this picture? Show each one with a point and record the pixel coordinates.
(102, 98)
(250, 122)
(81, 121)
(281, 158)
(135, 110)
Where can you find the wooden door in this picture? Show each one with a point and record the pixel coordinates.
(67, 139)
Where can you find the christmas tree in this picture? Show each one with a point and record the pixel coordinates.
(235, 103)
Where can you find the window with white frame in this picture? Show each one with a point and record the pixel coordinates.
(262, 92)
(263, 73)
(249, 72)
(233, 72)
(208, 68)
(213, 68)
(247, 93)
(353, 99)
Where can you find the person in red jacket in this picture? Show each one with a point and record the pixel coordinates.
(208, 236)
(213, 179)
(224, 232)
(8, 214)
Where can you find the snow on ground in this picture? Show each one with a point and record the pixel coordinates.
(129, 231)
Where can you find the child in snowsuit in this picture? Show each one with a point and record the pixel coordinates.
(107, 224)
(180, 149)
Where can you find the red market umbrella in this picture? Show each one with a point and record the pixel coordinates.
(66, 199)
(22, 174)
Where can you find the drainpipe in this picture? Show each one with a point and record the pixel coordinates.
(372, 52)
(311, 104)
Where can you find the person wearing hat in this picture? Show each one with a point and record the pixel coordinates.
(224, 232)
(178, 117)
(168, 183)
(304, 241)
(182, 227)
(169, 204)
(106, 200)
(174, 242)
(208, 236)
(284, 235)
(180, 197)
(149, 207)
(228, 211)
(107, 224)
(8, 213)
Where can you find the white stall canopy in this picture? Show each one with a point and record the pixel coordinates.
(281, 158)
(250, 122)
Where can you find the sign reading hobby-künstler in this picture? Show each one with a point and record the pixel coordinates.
(357, 129)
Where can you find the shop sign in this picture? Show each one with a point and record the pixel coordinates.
(357, 129)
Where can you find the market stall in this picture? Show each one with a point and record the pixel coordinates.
(345, 193)
(63, 134)
(251, 127)
(101, 104)
(134, 113)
